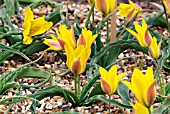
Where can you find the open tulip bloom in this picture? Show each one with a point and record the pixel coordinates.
(129, 11)
(110, 79)
(143, 86)
(33, 27)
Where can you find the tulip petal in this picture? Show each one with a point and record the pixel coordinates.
(105, 87)
(76, 66)
(151, 93)
(39, 26)
(54, 44)
(154, 48)
(28, 15)
(27, 40)
(103, 73)
(102, 6)
(139, 109)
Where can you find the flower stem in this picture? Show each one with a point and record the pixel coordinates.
(79, 89)
(166, 15)
(109, 103)
(75, 84)
(149, 110)
(107, 27)
(93, 17)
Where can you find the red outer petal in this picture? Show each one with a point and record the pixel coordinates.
(151, 94)
(62, 42)
(148, 39)
(76, 67)
(106, 87)
(81, 41)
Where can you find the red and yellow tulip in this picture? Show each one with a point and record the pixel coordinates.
(110, 79)
(143, 86)
(33, 27)
(105, 6)
(142, 34)
(129, 11)
(77, 58)
(154, 48)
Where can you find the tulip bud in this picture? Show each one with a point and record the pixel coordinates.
(105, 6)
(110, 79)
(154, 48)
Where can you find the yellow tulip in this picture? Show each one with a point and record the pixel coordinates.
(86, 38)
(143, 86)
(53, 43)
(154, 48)
(110, 79)
(66, 36)
(140, 109)
(143, 35)
(167, 5)
(33, 27)
(105, 6)
(129, 11)
(91, 1)
(77, 58)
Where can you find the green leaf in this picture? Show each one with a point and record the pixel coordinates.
(123, 44)
(102, 98)
(87, 87)
(167, 89)
(7, 86)
(163, 107)
(4, 47)
(54, 16)
(35, 47)
(109, 58)
(8, 78)
(123, 91)
(33, 73)
(97, 90)
(54, 91)
(165, 54)
(11, 7)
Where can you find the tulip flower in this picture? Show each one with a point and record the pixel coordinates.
(140, 109)
(129, 11)
(110, 79)
(105, 6)
(91, 1)
(33, 27)
(154, 48)
(143, 86)
(167, 5)
(86, 38)
(77, 58)
(66, 36)
(143, 35)
(53, 43)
